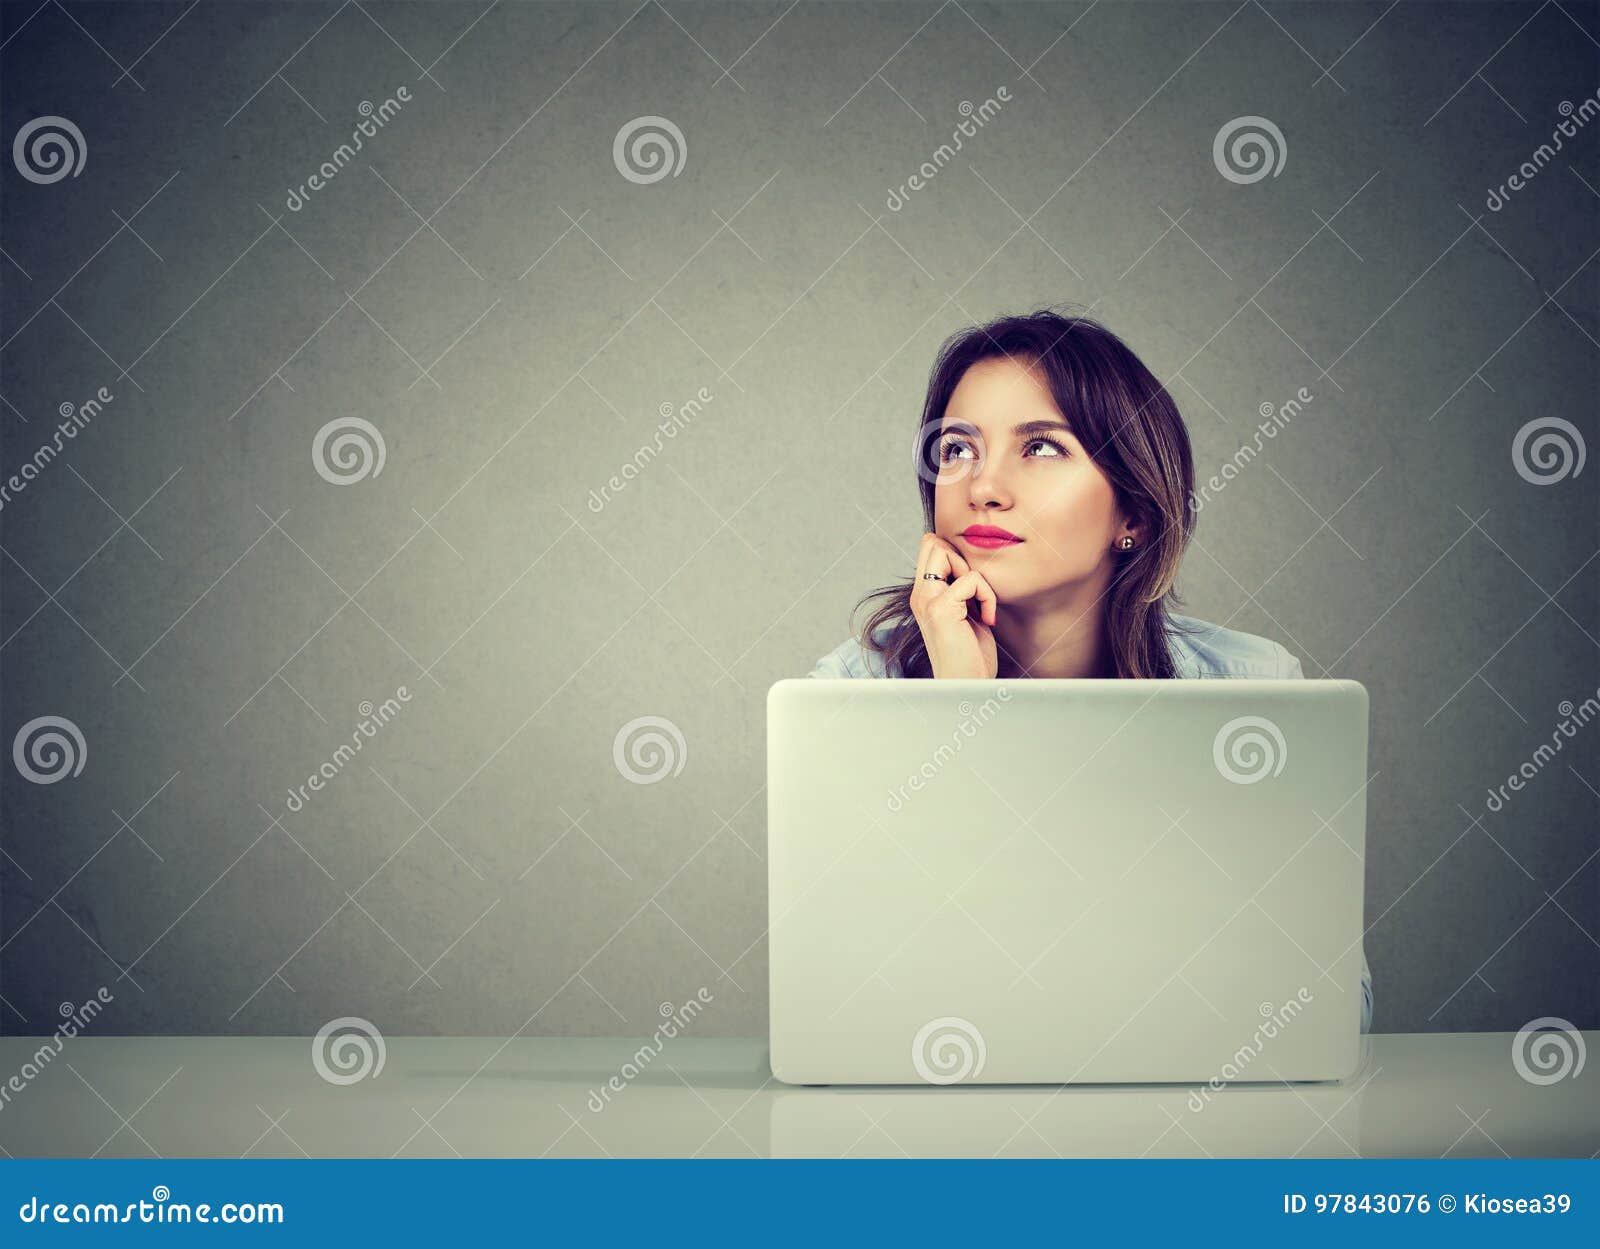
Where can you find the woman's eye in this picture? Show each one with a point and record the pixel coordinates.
(1055, 448)
(949, 447)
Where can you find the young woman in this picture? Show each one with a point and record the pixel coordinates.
(1057, 486)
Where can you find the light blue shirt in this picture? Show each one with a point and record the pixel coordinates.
(1200, 650)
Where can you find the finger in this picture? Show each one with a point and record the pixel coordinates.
(961, 594)
(958, 561)
(986, 599)
(936, 560)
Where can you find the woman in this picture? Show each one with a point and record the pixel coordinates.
(1057, 495)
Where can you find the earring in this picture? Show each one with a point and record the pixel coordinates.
(1127, 544)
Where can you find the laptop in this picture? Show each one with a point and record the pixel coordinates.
(1065, 881)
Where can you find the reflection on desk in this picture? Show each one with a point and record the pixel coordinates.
(1417, 1095)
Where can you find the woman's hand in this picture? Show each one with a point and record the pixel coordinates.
(956, 617)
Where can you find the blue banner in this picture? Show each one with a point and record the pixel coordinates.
(672, 1202)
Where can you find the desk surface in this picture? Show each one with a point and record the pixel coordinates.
(1417, 1095)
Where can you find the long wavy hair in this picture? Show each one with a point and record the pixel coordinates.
(1133, 432)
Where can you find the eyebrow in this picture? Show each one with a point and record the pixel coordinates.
(1017, 431)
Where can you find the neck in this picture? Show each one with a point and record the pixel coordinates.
(1064, 637)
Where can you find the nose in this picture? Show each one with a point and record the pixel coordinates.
(986, 486)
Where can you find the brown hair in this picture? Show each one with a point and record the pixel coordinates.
(1134, 434)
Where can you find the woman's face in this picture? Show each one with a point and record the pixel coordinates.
(1005, 459)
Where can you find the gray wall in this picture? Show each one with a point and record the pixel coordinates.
(484, 286)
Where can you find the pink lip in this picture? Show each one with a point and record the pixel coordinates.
(989, 537)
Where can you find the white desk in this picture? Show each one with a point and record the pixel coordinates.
(1418, 1095)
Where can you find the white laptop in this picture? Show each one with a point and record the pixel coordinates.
(1065, 881)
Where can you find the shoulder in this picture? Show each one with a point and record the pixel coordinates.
(851, 659)
(1203, 649)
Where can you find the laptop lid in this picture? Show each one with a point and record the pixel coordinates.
(1065, 881)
